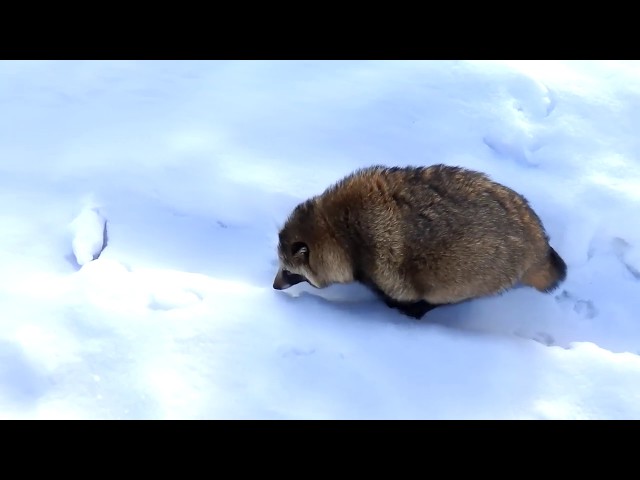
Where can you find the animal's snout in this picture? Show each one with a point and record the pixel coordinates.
(285, 279)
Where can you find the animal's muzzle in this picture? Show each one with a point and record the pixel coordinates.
(285, 279)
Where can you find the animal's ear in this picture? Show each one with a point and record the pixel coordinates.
(300, 249)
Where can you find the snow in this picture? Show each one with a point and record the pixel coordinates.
(89, 230)
(193, 166)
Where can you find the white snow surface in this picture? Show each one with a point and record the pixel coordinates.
(89, 232)
(196, 164)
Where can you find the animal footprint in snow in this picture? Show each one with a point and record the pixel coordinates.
(540, 337)
(511, 145)
(526, 103)
(544, 338)
(584, 308)
(628, 255)
(532, 98)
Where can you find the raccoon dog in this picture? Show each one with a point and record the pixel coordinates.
(418, 237)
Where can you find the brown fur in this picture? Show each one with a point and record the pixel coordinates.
(426, 235)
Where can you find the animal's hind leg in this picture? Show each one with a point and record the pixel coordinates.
(413, 309)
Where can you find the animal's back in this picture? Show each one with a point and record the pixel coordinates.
(442, 234)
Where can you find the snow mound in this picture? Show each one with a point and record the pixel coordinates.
(89, 230)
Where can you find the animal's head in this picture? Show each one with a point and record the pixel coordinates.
(307, 251)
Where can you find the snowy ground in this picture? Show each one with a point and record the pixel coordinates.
(195, 165)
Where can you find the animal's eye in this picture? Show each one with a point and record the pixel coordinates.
(299, 249)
